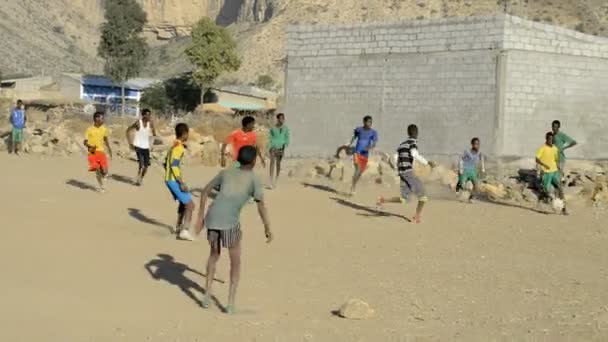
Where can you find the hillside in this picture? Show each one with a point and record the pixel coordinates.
(61, 35)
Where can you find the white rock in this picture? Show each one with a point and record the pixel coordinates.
(356, 309)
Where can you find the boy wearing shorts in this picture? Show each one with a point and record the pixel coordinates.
(18, 120)
(222, 220)
(140, 142)
(279, 140)
(366, 138)
(407, 153)
(471, 162)
(96, 137)
(547, 157)
(245, 136)
(176, 185)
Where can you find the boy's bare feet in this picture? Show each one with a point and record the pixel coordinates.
(416, 219)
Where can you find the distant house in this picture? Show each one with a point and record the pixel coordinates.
(69, 87)
(242, 98)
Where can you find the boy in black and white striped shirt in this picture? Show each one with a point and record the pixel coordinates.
(407, 152)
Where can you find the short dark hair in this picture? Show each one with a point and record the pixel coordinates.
(247, 155)
(19, 102)
(97, 114)
(247, 120)
(549, 134)
(280, 115)
(556, 122)
(474, 140)
(367, 118)
(412, 129)
(181, 129)
(145, 111)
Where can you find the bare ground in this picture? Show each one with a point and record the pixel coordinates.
(74, 262)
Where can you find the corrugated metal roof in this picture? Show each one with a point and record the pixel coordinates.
(102, 81)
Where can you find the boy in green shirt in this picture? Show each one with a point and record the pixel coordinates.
(222, 220)
(279, 140)
(562, 141)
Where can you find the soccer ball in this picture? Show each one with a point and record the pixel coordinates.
(558, 204)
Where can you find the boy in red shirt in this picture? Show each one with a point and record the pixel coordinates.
(242, 137)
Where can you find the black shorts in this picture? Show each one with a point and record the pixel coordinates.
(277, 153)
(224, 238)
(143, 156)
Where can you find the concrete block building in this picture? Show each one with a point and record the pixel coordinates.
(500, 78)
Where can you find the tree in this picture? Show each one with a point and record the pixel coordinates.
(121, 45)
(265, 82)
(155, 97)
(212, 52)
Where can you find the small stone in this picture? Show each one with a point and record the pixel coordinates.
(356, 309)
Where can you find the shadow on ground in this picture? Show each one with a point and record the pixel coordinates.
(141, 217)
(164, 267)
(80, 185)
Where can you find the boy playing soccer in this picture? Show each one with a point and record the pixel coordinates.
(468, 167)
(140, 141)
(245, 136)
(407, 152)
(96, 137)
(222, 220)
(18, 120)
(366, 139)
(279, 140)
(176, 185)
(547, 157)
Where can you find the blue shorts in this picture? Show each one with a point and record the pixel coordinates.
(178, 194)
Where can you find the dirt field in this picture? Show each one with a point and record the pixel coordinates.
(74, 266)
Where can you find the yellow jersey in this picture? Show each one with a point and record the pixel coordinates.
(95, 137)
(549, 155)
(173, 161)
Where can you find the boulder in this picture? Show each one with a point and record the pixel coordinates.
(529, 195)
(356, 309)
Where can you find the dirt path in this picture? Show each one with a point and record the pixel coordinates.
(73, 266)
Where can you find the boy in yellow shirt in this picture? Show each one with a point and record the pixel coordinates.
(547, 157)
(176, 185)
(96, 137)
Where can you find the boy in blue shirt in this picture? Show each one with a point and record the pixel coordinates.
(18, 120)
(366, 138)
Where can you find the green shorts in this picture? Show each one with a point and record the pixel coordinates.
(17, 135)
(468, 175)
(551, 179)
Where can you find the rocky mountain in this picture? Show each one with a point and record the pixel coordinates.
(49, 36)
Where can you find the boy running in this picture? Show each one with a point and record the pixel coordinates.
(468, 167)
(144, 129)
(242, 137)
(222, 220)
(176, 185)
(279, 140)
(366, 139)
(562, 141)
(96, 137)
(407, 152)
(547, 157)
(18, 120)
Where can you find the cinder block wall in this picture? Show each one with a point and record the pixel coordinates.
(437, 74)
(554, 73)
(500, 78)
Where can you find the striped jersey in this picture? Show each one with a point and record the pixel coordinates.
(173, 169)
(405, 160)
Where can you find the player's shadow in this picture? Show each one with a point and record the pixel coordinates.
(164, 267)
(139, 216)
(320, 187)
(367, 211)
(80, 185)
(123, 179)
(513, 205)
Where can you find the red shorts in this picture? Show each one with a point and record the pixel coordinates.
(98, 160)
(360, 161)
